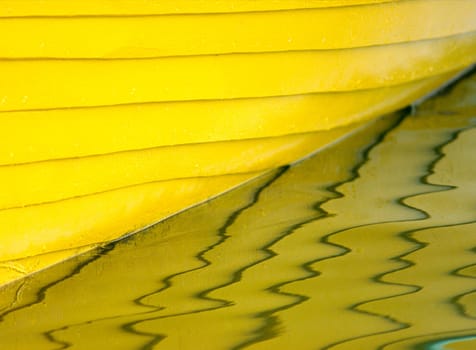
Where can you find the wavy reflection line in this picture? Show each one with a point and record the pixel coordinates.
(406, 264)
(271, 320)
(168, 280)
(223, 236)
(128, 327)
(41, 293)
(456, 300)
(50, 334)
(407, 236)
(455, 272)
(358, 306)
(237, 275)
(40, 296)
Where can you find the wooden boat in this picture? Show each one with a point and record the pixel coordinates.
(117, 114)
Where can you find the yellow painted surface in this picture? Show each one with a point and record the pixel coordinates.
(319, 29)
(102, 217)
(39, 84)
(69, 133)
(369, 244)
(13, 8)
(90, 175)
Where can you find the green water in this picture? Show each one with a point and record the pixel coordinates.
(369, 244)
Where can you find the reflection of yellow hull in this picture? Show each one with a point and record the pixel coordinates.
(116, 115)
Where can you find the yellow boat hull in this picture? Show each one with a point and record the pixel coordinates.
(116, 115)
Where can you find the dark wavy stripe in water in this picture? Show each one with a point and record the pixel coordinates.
(270, 319)
(406, 235)
(223, 236)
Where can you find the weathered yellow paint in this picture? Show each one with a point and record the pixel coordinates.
(102, 217)
(13, 8)
(92, 131)
(318, 29)
(41, 84)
